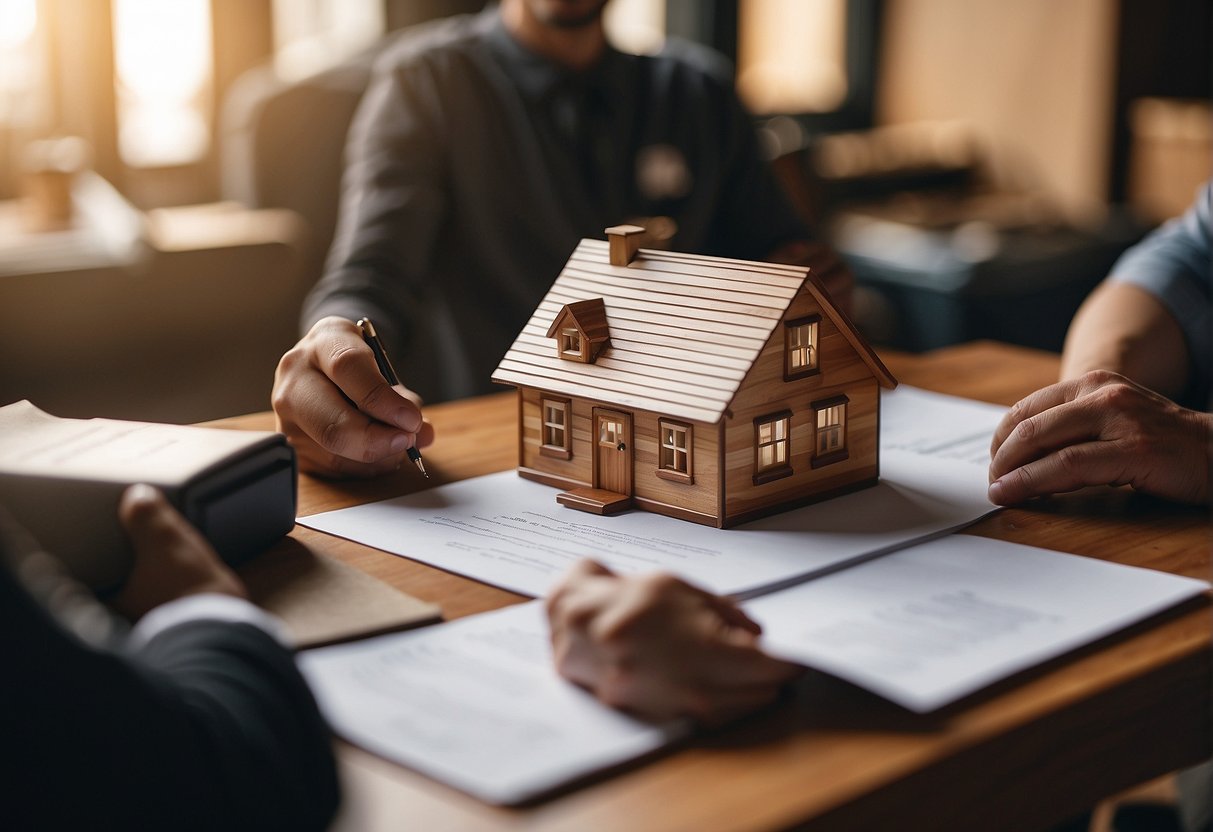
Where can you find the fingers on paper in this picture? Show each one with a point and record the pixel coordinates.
(659, 647)
(1045, 433)
(1101, 429)
(654, 696)
(1066, 469)
(1028, 407)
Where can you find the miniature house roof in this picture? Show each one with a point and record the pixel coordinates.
(684, 329)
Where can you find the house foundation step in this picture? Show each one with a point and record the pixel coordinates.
(595, 500)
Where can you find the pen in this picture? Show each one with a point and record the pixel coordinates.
(389, 374)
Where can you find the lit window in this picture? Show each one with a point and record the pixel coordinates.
(674, 455)
(830, 420)
(556, 429)
(162, 58)
(18, 20)
(831, 429)
(570, 342)
(791, 55)
(636, 26)
(610, 432)
(771, 453)
(800, 337)
(580, 330)
(22, 81)
(313, 35)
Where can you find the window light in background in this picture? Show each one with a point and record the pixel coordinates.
(18, 19)
(162, 57)
(18, 68)
(636, 26)
(791, 55)
(313, 35)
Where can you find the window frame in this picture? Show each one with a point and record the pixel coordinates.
(688, 451)
(565, 335)
(776, 470)
(790, 373)
(842, 452)
(562, 451)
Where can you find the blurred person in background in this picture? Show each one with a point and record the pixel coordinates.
(484, 150)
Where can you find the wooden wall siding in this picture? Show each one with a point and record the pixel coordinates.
(843, 372)
(742, 497)
(580, 467)
(684, 330)
(698, 497)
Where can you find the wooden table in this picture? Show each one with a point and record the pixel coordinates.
(1021, 756)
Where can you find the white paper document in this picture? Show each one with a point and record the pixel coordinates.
(511, 533)
(938, 426)
(475, 703)
(927, 625)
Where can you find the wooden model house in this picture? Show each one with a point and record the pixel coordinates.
(707, 389)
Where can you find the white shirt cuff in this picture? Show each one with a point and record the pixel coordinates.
(207, 606)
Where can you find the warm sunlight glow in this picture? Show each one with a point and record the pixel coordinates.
(791, 55)
(313, 35)
(636, 26)
(17, 21)
(19, 69)
(162, 55)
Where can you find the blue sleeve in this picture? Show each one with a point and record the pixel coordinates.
(1175, 264)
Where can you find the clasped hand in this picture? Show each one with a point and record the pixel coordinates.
(659, 647)
(1100, 429)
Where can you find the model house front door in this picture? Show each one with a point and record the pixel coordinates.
(613, 451)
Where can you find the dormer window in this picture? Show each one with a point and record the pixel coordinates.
(570, 343)
(580, 330)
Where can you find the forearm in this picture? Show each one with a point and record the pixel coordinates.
(360, 293)
(392, 207)
(1125, 329)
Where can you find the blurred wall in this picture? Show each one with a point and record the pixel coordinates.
(1033, 78)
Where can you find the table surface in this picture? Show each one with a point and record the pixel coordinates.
(1022, 755)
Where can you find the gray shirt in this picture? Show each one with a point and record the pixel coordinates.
(475, 166)
(1175, 264)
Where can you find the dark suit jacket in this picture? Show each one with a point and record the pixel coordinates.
(207, 726)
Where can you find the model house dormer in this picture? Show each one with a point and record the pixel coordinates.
(580, 330)
(731, 389)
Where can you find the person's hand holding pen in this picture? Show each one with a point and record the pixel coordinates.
(334, 405)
